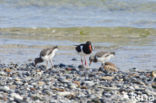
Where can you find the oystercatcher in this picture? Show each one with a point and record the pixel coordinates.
(46, 55)
(101, 57)
(83, 50)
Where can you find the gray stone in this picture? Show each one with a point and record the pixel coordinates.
(4, 88)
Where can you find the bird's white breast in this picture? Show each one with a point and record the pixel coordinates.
(53, 53)
(48, 57)
(104, 58)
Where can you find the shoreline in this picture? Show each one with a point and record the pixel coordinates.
(69, 84)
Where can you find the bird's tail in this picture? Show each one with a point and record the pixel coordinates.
(113, 53)
(75, 45)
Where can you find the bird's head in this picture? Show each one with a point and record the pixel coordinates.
(88, 42)
(37, 60)
(91, 59)
(91, 48)
(56, 47)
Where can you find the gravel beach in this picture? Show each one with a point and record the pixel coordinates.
(69, 84)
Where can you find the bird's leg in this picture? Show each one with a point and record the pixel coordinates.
(46, 64)
(81, 61)
(51, 63)
(85, 61)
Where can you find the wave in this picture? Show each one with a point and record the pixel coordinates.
(109, 5)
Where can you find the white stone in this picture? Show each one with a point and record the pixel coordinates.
(3, 73)
(16, 96)
(89, 83)
(64, 93)
(5, 88)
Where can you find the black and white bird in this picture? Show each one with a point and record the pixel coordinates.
(101, 57)
(84, 50)
(46, 55)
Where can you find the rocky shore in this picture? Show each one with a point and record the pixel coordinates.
(69, 84)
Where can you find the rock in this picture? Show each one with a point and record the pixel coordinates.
(70, 96)
(46, 91)
(12, 86)
(72, 85)
(107, 94)
(39, 73)
(108, 88)
(110, 67)
(153, 74)
(81, 67)
(107, 78)
(4, 88)
(40, 83)
(63, 80)
(62, 65)
(154, 85)
(89, 83)
(65, 93)
(96, 100)
(28, 84)
(132, 69)
(7, 70)
(56, 66)
(77, 83)
(69, 69)
(16, 96)
(74, 59)
(125, 95)
(17, 79)
(83, 87)
(2, 73)
(59, 89)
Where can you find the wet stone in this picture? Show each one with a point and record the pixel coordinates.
(81, 67)
(74, 59)
(62, 65)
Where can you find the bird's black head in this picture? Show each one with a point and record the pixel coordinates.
(38, 60)
(88, 42)
(55, 47)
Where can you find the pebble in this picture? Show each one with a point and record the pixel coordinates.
(74, 59)
(81, 67)
(4, 88)
(16, 96)
(89, 83)
(62, 65)
(64, 93)
(2, 73)
(107, 78)
(40, 83)
(153, 74)
(69, 84)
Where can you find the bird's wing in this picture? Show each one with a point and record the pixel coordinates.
(79, 47)
(51, 50)
(101, 54)
(45, 52)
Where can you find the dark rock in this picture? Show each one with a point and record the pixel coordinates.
(81, 67)
(62, 65)
(56, 66)
(96, 100)
(74, 59)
